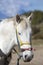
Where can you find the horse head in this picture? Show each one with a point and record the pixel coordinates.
(24, 33)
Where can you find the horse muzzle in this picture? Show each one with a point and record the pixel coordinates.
(27, 56)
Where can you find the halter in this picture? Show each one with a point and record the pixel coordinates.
(17, 39)
(20, 43)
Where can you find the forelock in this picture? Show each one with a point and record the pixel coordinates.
(23, 23)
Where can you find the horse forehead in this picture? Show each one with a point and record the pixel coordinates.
(21, 26)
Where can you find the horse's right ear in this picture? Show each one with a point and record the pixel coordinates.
(17, 18)
(30, 17)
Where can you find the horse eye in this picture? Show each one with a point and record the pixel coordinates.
(19, 33)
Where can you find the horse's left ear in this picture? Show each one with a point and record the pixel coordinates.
(17, 18)
(30, 17)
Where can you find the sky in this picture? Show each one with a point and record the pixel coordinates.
(9, 8)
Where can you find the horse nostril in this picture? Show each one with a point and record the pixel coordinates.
(25, 56)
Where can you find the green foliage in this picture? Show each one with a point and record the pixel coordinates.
(35, 30)
(37, 17)
(27, 13)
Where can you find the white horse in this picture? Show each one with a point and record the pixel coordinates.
(16, 31)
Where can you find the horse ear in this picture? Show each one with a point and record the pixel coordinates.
(30, 17)
(17, 18)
